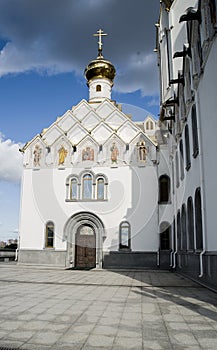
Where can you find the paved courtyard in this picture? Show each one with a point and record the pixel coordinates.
(63, 309)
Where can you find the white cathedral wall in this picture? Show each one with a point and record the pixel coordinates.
(207, 107)
(132, 196)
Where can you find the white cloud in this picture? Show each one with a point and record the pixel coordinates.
(10, 160)
(55, 36)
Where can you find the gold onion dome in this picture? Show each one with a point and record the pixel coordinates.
(100, 67)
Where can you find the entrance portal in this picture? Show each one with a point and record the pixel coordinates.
(85, 247)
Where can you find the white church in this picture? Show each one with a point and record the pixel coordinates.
(102, 191)
(90, 184)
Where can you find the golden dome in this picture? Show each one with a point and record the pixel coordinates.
(100, 68)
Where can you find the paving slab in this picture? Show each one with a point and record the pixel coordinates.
(49, 308)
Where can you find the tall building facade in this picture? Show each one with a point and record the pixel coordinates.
(187, 59)
(90, 185)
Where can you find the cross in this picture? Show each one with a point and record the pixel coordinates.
(100, 34)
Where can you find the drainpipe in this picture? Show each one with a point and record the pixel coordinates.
(174, 259)
(201, 263)
(203, 206)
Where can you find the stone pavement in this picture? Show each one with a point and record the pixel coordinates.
(61, 309)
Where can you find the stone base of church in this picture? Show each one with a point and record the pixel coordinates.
(42, 257)
(129, 260)
(188, 264)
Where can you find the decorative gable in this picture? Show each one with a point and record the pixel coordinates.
(76, 134)
(51, 134)
(105, 108)
(128, 131)
(101, 133)
(114, 152)
(116, 119)
(66, 121)
(61, 152)
(91, 120)
(35, 153)
(87, 151)
(81, 110)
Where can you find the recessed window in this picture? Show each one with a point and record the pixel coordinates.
(87, 184)
(98, 88)
(74, 189)
(164, 189)
(124, 236)
(181, 160)
(194, 132)
(190, 226)
(100, 188)
(198, 220)
(49, 235)
(187, 149)
(165, 236)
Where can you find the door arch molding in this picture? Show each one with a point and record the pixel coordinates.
(71, 227)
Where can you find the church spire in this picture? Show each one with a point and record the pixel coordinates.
(100, 74)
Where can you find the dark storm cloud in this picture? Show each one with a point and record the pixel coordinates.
(55, 36)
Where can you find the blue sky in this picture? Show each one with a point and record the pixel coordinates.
(44, 48)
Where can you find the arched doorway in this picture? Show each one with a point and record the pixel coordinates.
(85, 247)
(84, 233)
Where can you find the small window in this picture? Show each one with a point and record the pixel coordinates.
(165, 236)
(198, 220)
(181, 160)
(184, 228)
(100, 188)
(124, 235)
(177, 169)
(147, 125)
(87, 186)
(164, 189)
(187, 149)
(49, 235)
(190, 224)
(151, 125)
(98, 88)
(194, 132)
(74, 189)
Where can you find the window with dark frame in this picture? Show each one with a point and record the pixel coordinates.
(125, 239)
(49, 235)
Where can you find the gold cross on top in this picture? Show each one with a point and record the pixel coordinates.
(100, 33)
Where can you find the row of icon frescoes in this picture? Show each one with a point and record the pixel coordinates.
(88, 153)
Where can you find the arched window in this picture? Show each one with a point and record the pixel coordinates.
(74, 188)
(177, 170)
(124, 233)
(151, 125)
(194, 131)
(183, 228)
(187, 149)
(190, 221)
(100, 186)
(165, 236)
(147, 125)
(98, 88)
(164, 189)
(181, 160)
(49, 235)
(87, 186)
(198, 220)
(179, 238)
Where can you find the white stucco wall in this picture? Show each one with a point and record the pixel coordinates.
(132, 196)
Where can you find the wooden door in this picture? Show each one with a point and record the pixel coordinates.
(85, 247)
